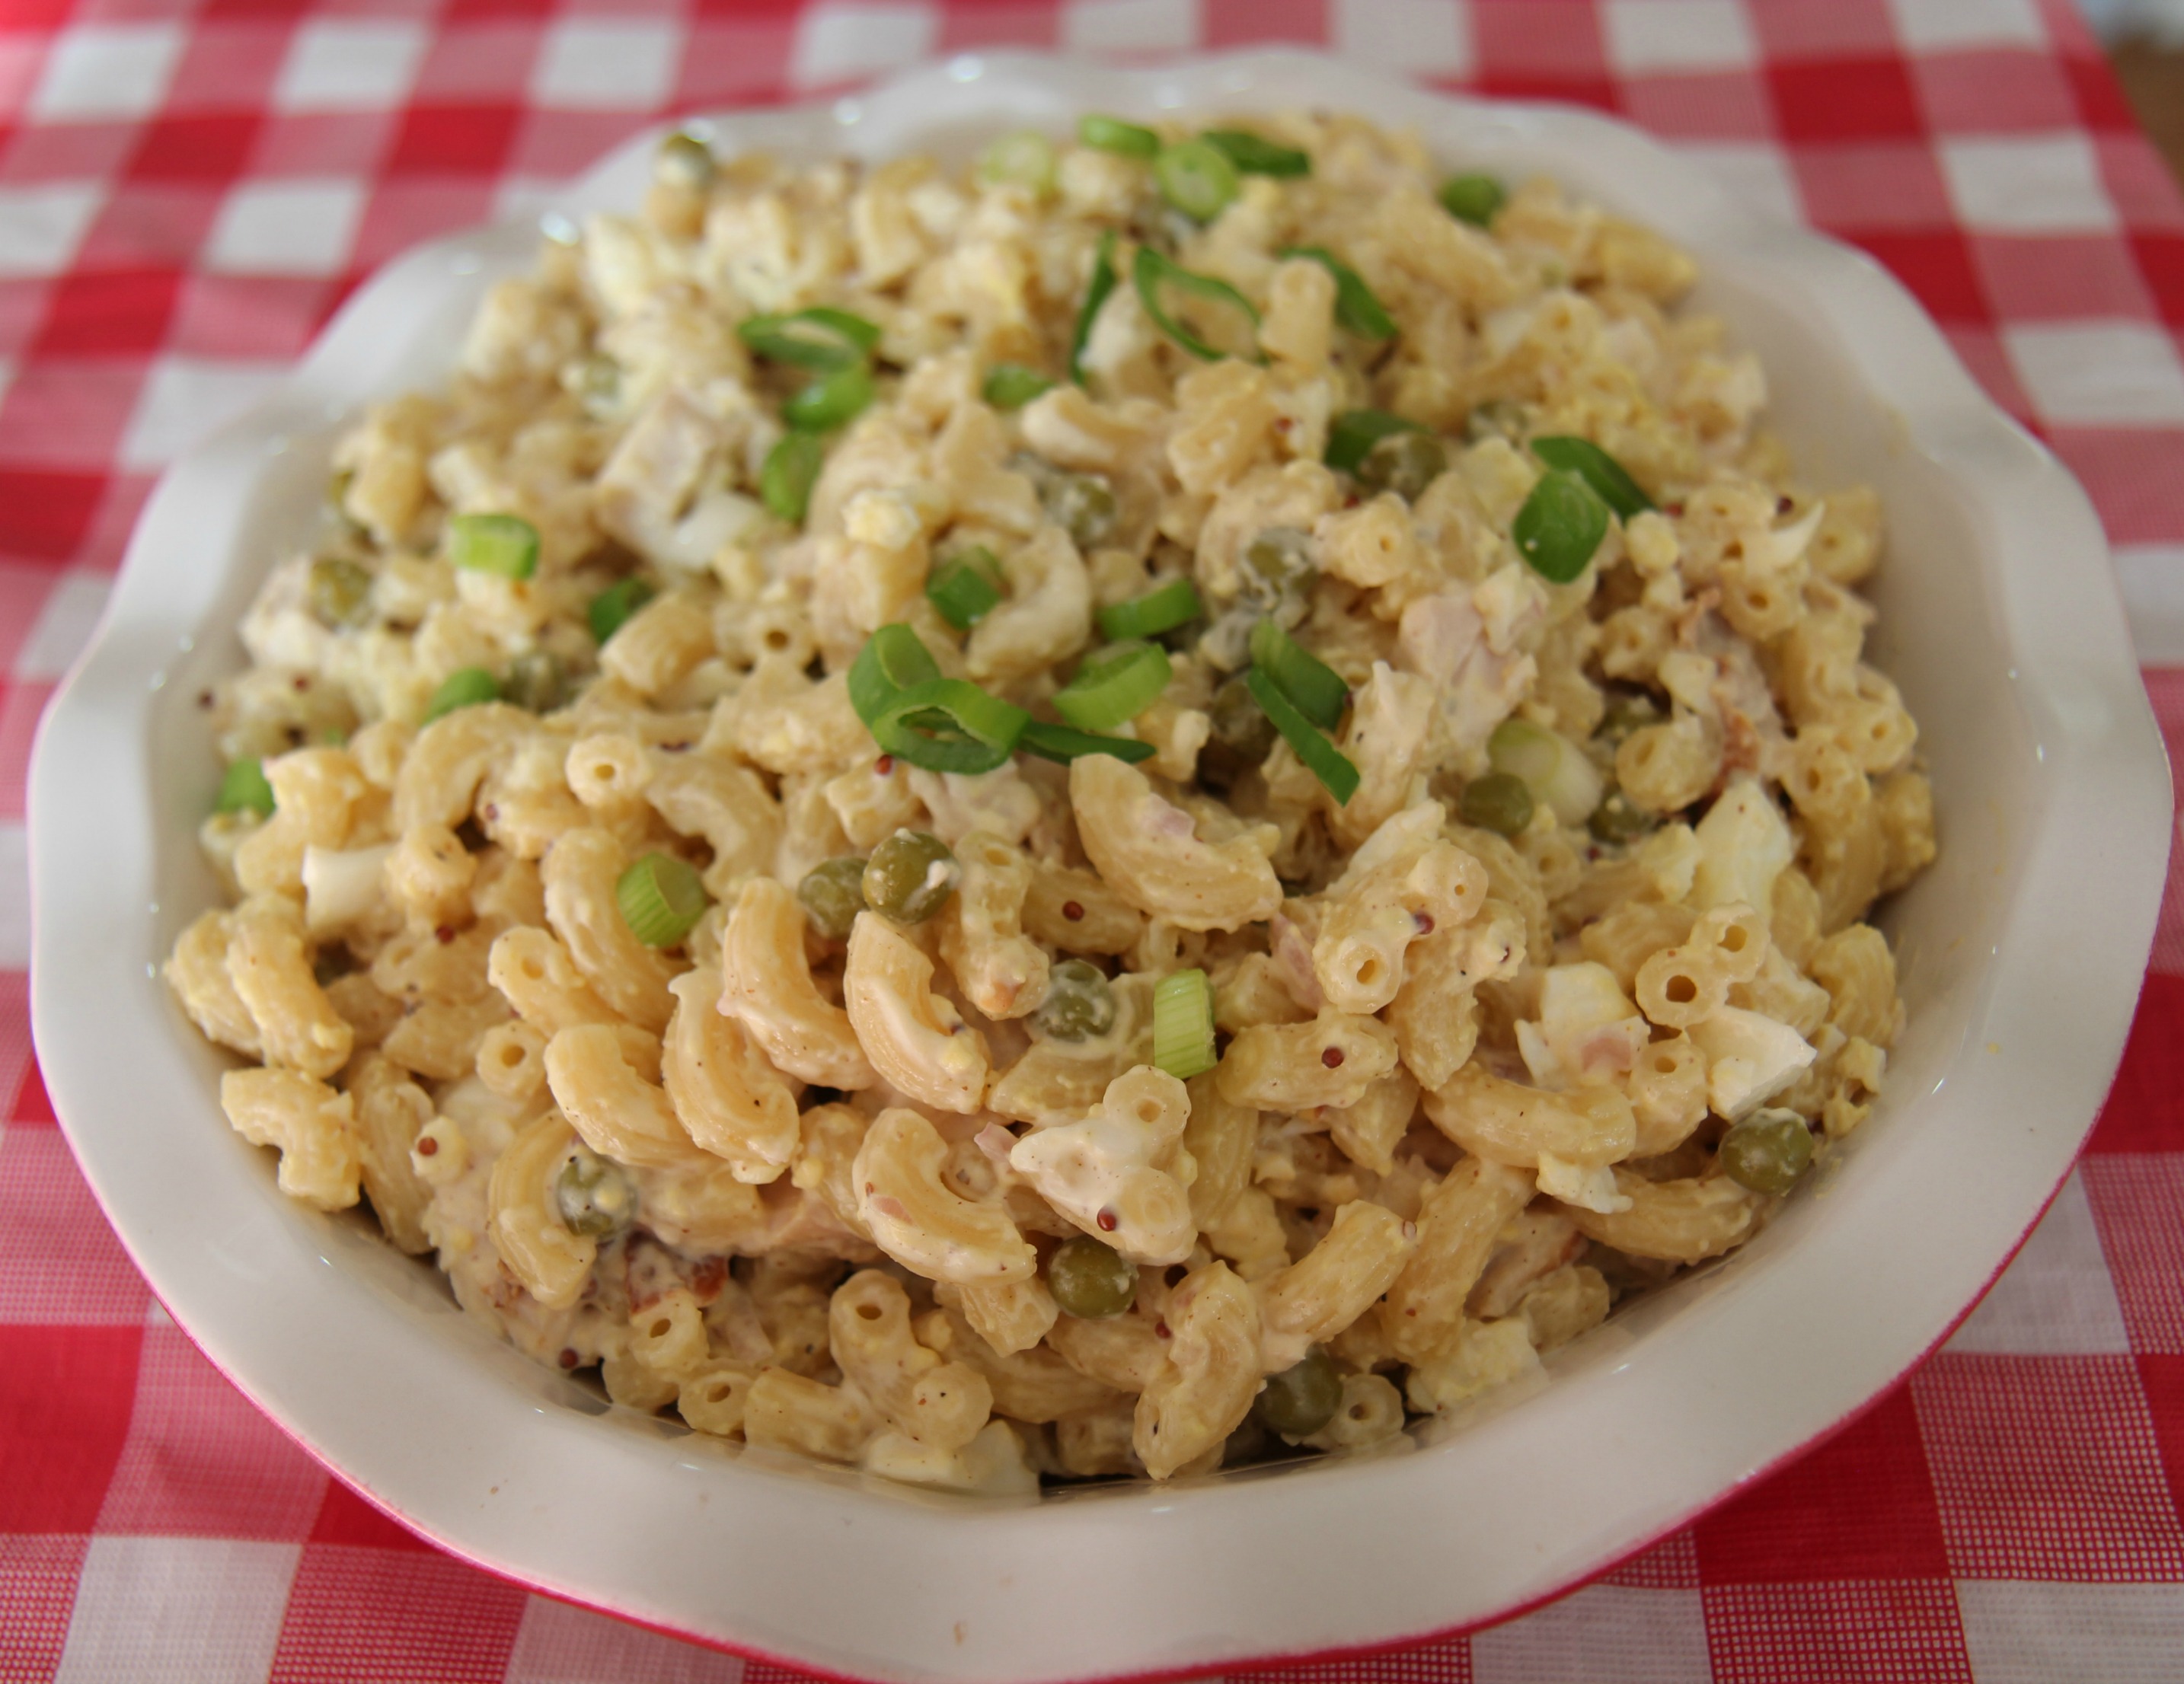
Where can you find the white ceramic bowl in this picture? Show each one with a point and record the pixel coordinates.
(2020, 954)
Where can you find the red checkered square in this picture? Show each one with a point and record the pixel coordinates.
(2162, 1374)
(64, 1396)
(1448, 1662)
(68, 414)
(209, 146)
(2019, 1500)
(1845, 99)
(1525, 43)
(20, 703)
(2135, 476)
(37, 1589)
(402, 212)
(1720, 108)
(346, 1519)
(2138, 1204)
(454, 140)
(1238, 23)
(966, 29)
(149, 225)
(1841, 29)
(1939, 268)
(201, 1461)
(247, 315)
(321, 143)
(34, 1107)
(475, 62)
(1881, 1630)
(123, 311)
(394, 1617)
(1672, 1564)
(2059, 277)
(2161, 261)
(2139, 182)
(60, 1262)
(1985, 93)
(230, 64)
(73, 151)
(1858, 186)
(1859, 1506)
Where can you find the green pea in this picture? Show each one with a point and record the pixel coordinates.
(833, 894)
(1615, 821)
(683, 161)
(1500, 801)
(1473, 199)
(339, 591)
(1299, 1401)
(1767, 1152)
(1090, 1280)
(1404, 462)
(1081, 503)
(1079, 1005)
(1241, 724)
(593, 1196)
(537, 681)
(909, 876)
(1277, 564)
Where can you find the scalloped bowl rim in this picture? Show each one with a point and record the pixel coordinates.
(1637, 1431)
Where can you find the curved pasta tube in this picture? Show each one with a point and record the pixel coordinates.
(768, 985)
(1205, 1390)
(1123, 1352)
(1034, 1385)
(524, 1221)
(921, 1222)
(579, 871)
(937, 1403)
(271, 973)
(916, 1040)
(313, 1127)
(1011, 1317)
(1001, 970)
(728, 1098)
(440, 775)
(1458, 1226)
(197, 971)
(1047, 616)
(535, 974)
(1334, 1283)
(1374, 917)
(1111, 1174)
(1369, 1132)
(1221, 1139)
(1508, 1123)
(1681, 1221)
(620, 1115)
(1148, 851)
(1333, 1060)
(785, 1411)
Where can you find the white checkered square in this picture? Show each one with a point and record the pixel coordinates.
(2150, 577)
(63, 632)
(1634, 1636)
(42, 226)
(184, 399)
(15, 898)
(1758, 174)
(1646, 37)
(2037, 184)
(2098, 374)
(1965, 26)
(347, 65)
(1130, 26)
(2021, 1632)
(2056, 1299)
(557, 1644)
(285, 227)
(1416, 37)
(844, 43)
(143, 1604)
(595, 63)
(107, 72)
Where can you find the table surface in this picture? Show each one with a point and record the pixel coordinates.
(187, 190)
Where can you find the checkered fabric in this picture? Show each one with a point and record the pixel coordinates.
(186, 191)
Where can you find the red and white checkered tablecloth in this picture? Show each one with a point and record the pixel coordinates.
(186, 191)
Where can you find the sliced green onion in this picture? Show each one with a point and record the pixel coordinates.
(1150, 271)
(949, 725)
(1254, 156)
(1354, 432)
(1182, 1024)
(1560, 526)
(1174, 604)
(1553, 767)
(1023, 159)
(1112, 134)
(1010, 385)
(503, 545)
(1095, 294)
(610, 610)
(1472, 198)
(832, 400)
(1060, 743)
(661, 899)
(1597, 469)
(820, 338)
(893, 660)
(1114, 687)
(1196, 178)
(791, 470)
(1321, 757)
(243, 789)
(1355, 306)
(1316, 687)
(465, 687)
(965, 588)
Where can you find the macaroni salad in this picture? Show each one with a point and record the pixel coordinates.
(1173, 801)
